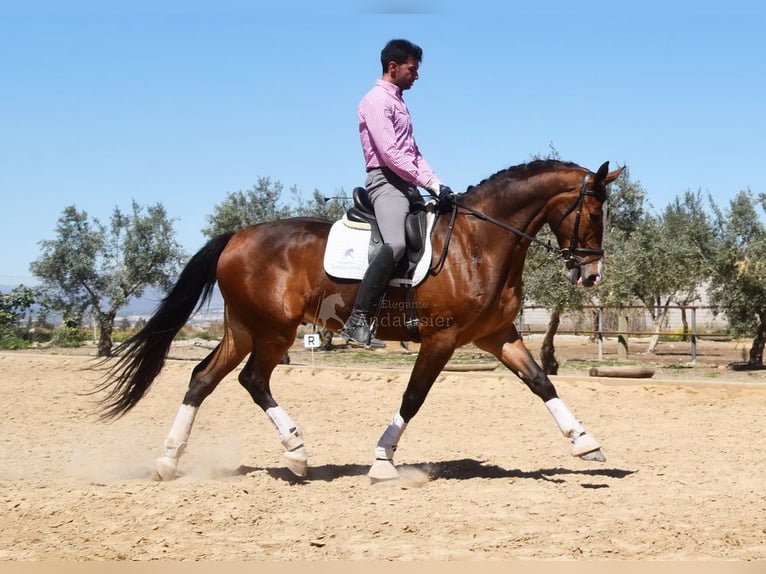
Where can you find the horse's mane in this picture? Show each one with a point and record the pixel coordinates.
(525, 170)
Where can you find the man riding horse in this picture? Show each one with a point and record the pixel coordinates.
(395, 168)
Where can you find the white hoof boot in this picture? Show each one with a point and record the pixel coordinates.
(297, 461)
(165, 468)
(382, 470)
(587, 448)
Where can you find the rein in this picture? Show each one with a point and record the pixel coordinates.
(572, 254)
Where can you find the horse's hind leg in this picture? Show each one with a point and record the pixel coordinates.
(205, 378)
(255, 377)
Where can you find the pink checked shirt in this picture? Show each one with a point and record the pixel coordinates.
(385, 128)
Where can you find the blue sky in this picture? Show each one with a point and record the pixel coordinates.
(180, 104)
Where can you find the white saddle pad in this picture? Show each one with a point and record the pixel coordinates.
(347, 247)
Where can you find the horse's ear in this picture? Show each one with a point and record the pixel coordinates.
(613, 175)
(602, 171)
(603, 178)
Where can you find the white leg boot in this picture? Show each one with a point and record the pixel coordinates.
(291, 438)
(175, 444)
(584, 445)
(383, 468)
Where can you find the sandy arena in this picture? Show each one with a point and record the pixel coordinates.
(486, 474)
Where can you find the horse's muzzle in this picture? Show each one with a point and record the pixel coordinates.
(588, 275)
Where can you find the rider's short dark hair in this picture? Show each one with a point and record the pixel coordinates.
(400, 51)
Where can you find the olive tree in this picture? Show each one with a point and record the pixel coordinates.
(329, 208)
(656, 261)
(15, 306)
(738, 282)
(666, 260)
(94, 267)
(244, 208)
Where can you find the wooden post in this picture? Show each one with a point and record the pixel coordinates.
(694, 335)
(600, 334)
(622, 337)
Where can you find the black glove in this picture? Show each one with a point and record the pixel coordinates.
(445, 198)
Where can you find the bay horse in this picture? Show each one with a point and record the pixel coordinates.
(272, 280)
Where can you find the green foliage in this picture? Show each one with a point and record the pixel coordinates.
(738, 285)
(14, 306)
(262, 203)
(330, 208)
(656, 260)
(70, 337)
(98, 268)
(627, 205)
(244, 208)
(12, 341)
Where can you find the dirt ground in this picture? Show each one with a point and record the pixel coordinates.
(486, 475)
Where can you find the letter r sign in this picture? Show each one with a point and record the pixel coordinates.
(312, 341)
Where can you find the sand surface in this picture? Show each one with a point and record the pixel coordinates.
(486, 474)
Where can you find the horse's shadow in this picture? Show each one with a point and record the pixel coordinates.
(462, 469)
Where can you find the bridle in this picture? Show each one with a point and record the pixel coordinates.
(573, 255)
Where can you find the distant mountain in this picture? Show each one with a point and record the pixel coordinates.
(146, 305)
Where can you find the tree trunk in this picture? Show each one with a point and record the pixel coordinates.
(657, 329)
(106, 327)
(547, 351)
(756, 351)
(685, 323)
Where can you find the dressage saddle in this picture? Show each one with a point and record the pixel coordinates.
(415, 230)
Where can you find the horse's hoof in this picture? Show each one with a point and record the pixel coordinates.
(382, 470)
(594, 456)
(164, 469)
(583, 444)
(297, 462)
(587, 448)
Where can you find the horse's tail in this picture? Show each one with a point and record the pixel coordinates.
(142, 356)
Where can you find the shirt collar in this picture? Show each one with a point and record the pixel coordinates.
(392, 89)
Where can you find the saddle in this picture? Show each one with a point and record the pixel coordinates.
(415, 229)
(355, 239)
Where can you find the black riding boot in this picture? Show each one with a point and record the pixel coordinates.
(357, 328)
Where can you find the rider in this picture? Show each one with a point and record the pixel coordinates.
(395, 169)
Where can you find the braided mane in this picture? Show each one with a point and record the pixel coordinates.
(525, 170)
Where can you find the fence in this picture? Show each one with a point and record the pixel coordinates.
(625, 322)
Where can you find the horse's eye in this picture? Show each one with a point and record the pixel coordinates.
(594, 217)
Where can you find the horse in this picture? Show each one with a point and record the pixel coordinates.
(272, 280)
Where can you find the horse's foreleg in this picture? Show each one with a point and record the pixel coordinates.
(383, 466)
(430, 362)
(514, 355)
(583, 443)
